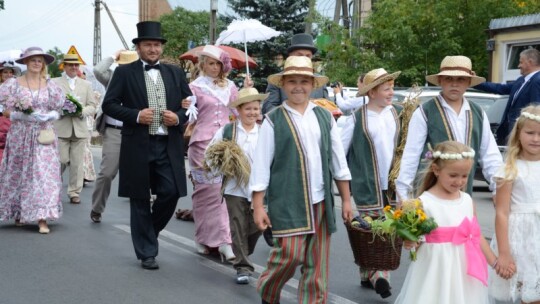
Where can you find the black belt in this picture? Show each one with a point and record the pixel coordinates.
(113, 126)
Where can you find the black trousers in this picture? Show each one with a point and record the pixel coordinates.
(147, 220)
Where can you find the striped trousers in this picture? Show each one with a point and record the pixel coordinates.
(309, 250)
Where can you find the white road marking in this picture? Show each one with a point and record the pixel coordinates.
(224, 268)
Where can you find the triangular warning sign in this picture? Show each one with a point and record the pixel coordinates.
(72, 50)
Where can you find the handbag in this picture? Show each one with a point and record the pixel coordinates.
(46, 137)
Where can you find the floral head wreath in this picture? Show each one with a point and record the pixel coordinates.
(531, 116)
(430, 154)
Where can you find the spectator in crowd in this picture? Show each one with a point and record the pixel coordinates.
(110, 129)
(524, 91)
(30, 167)
(8, 70)
(72, 129)
(349, 104)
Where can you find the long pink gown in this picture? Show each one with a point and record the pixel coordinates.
(209, 208)
(30, 181)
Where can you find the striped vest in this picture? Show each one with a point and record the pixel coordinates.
(157, 101)
(288, 195)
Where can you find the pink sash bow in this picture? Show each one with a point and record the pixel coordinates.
(468, 233)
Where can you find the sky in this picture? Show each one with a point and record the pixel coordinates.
(63, 23)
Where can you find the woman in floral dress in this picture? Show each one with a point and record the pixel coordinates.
(30, 181)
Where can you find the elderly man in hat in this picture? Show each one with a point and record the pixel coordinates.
(449, 116)
(146, 96)
(524, 91)
(298, 154)
(72, 129)
(301, 45)
(110, 129)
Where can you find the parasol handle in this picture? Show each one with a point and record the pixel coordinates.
(245, 51)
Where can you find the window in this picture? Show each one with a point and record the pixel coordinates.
(515, 50)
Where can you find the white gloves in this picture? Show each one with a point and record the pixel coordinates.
(15, 115)
(192, 110)
(47, 116)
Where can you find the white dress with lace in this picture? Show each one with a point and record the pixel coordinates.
(523, 236)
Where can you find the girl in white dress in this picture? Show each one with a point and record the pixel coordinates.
(451, 267)
(517, 220)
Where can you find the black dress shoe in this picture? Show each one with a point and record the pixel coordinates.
(267, 234)
(95, 217)
(382, 287)
(149, 263)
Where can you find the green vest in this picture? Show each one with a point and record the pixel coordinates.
(288, 197)
(439, 130)
(229, 131)
(362, 160)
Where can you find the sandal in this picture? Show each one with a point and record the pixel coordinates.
(187, 216)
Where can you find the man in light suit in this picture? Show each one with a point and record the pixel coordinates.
(524, 91)
(72, 130)
(146, 96)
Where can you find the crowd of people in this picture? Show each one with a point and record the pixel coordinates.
(252, 174)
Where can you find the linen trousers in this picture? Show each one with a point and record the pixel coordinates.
(309, 250)
(110, 162)
(244, 232)
(72, 154)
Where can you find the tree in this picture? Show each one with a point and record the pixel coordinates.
(287, 16)
(414, 35)
(54, 71)
(182, 27)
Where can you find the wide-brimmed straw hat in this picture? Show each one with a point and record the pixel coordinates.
(35, 51)
(72, 59)
(456, 66)
(126, 57)
(10, 65)
(298, 65)
(218, 54)
(246, 95)
(376, 77)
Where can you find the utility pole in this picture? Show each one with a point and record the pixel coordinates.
(346, 21)
(213, 22)
(337, 10)
(97, 32)
(309, 17)
(115, 26)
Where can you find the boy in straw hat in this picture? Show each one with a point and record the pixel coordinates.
(375, 128)
(298, 154)
(244, 134)
(449, 116)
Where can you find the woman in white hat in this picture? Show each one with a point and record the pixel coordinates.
(209, 110)
(8, 70)
(375, 128)
(30, 169)
(449, 116)
(244, 132)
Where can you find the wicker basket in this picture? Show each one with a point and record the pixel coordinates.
(372, 252)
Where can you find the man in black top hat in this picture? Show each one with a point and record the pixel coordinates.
(146, 96)
(301, 45)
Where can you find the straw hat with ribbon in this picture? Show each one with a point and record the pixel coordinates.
(456, 66)
(126, 57)
(246, 95)
(298, 65)
(72, 59)
(376, 77)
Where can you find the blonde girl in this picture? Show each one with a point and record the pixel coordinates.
(451, 265)
(517, 219)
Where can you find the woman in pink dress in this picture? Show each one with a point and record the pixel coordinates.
(212, 93)
(30, 171)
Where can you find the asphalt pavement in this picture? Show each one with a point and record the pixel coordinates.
(83, 262)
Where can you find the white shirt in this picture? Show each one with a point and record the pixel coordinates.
(310, 137)
(248, 142)
(382, 130)
(153, 73)
(490, 158)
(350, 104)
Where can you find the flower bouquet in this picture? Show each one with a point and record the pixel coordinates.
(72, 106)
(408, 222)
(23, 105)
